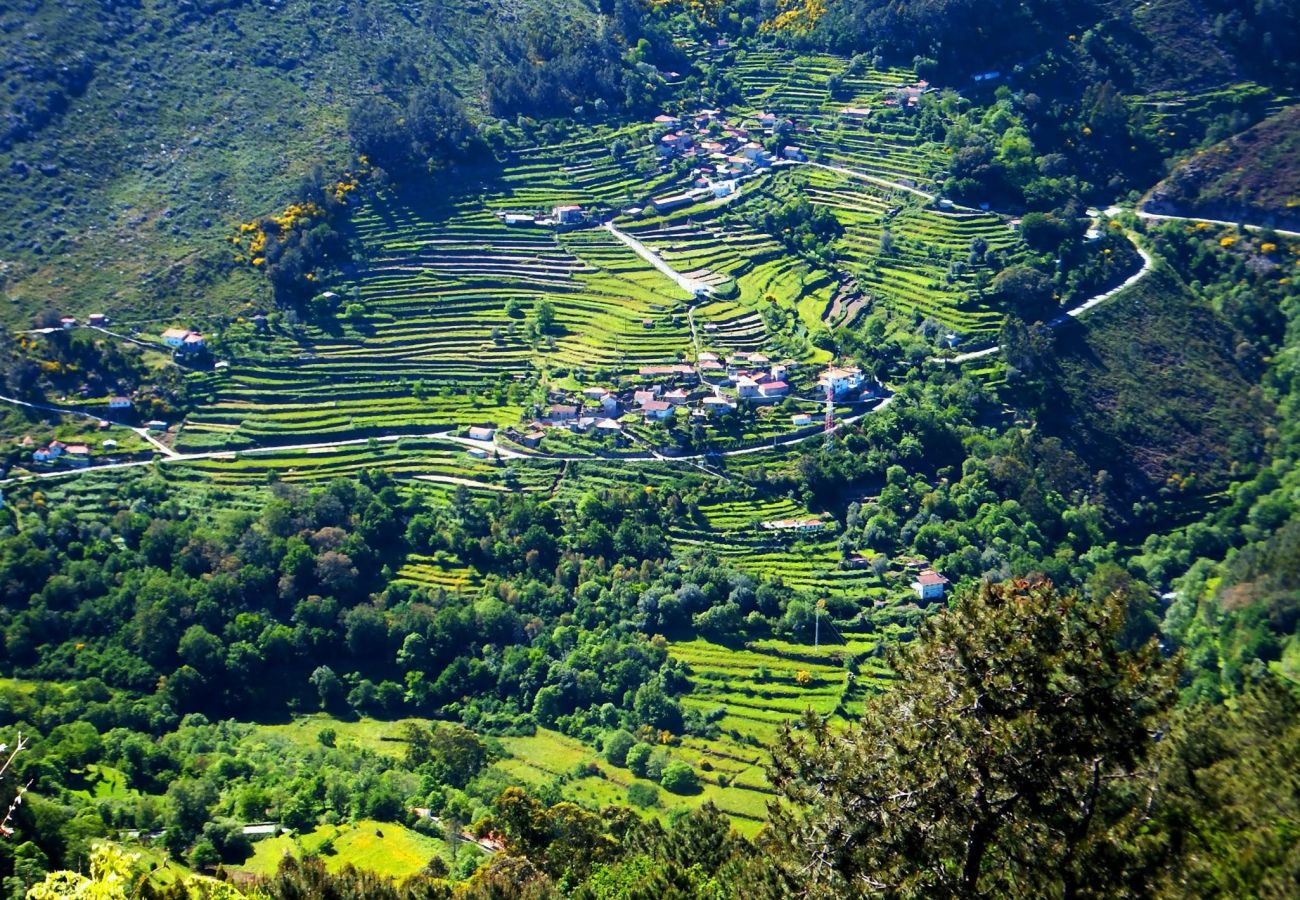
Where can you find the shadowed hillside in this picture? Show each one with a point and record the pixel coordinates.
(1253, 177)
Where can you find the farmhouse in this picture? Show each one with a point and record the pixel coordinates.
(568, 214)
(519, 219)
(713, 370)
(929, 585)
(193, 342)
(68, 322)
(840, 381)
(482, 432)
(175, 337)
(746, 387)
(561, 412)
(722, 189)
(119, 402)
(532, 439)
(774, 389)
(641, 398)
(855, 112)
(799, 525)
(669, 121)
(677, 397)
(716, 406)
(98, 319)
(657, 410)
(798, 420)
(791, 152)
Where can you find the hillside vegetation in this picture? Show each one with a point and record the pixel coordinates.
(488, 449)
(1150, 390)
(135, 136)
(1252, 177)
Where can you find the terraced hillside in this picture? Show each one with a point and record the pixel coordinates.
(441, 334)
(734, 530)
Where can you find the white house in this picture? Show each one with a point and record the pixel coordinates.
(799, 525)
(799, 420)
(930, 585)
(657, 410)
(568, 214)
(119, 402)
(175, 337)
(746, 388)
(482, 433)
(840, 381)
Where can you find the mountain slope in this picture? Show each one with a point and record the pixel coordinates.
(1253, 177)
(133, 136)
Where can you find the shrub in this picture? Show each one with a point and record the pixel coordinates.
(617, 746)
(679, 778)
(643, 795)
(638, 758)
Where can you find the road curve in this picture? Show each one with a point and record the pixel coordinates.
(1148, 262)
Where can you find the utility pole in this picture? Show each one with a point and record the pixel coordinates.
(830, 412)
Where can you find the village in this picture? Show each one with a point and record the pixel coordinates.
(719, 155)
(711, 391)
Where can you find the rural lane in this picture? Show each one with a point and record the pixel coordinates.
(689, 285)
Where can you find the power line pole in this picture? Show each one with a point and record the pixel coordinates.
(830, 411)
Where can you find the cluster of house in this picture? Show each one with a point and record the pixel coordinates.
(800, 526)
(720, 153)
(56, 451)
(95, 320)
(183, 340)
(563, 216)
(907, 97)
(753, 375)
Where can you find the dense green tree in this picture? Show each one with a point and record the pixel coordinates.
(999, 763)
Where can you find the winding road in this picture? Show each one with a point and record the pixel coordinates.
(1148, 262)
(691, 286)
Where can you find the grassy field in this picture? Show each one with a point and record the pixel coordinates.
(386, 848)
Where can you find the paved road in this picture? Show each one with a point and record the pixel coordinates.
(1147, 263)
(691, 286)
(1143, 214)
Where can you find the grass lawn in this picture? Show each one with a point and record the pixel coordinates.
(385, 848)
(371, 734)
